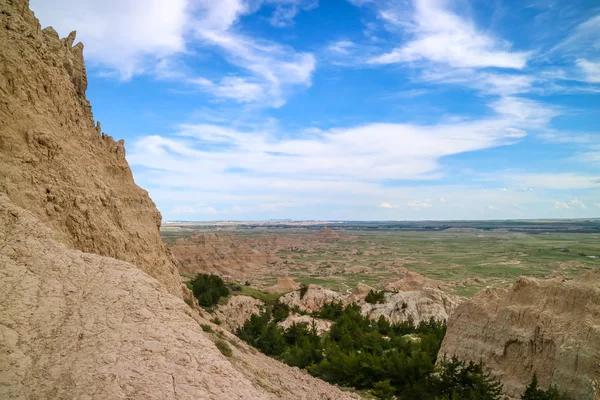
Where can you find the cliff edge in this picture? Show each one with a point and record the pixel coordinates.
(90, 300)
(549, 328)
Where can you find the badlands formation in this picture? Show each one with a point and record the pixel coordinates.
(91, 302)
(90, 299)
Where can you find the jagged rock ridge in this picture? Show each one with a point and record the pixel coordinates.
(57, 163)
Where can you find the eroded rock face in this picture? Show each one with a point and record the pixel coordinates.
(78, 319)
(222, 254)
(321, 325)
(77, 325)
(237, 311)
(314, 298)
(57, 163)
(550, 328)
(418, 305)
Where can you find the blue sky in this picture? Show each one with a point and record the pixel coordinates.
(349, 109)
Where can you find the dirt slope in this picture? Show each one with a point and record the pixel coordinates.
(550, 328)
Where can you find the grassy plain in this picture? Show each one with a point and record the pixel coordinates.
(469, 260)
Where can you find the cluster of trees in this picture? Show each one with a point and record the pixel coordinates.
(208, 289)
(375, 297)
(533, 392)
(387, 359)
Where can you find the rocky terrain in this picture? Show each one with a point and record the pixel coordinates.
(244, 258)
(547, 327)
(91, 302)
(222, 254)
(237, 311)
(312, 299)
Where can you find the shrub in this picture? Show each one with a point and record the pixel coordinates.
(533, 392)
(208, 289)
(206, 328)
(224, 348)
(303, 290)
(375, 297)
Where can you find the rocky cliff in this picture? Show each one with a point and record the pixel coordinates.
(56, 162)
(90, 301)
(548, 328)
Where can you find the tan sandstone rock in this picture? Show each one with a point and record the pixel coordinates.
(284, 285)
(418, 305)
(57, 163)
(321, 325)
(547, 327)
(314, 298)
(237, 311)
(90, 300)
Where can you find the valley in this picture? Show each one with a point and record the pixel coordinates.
(466, 256)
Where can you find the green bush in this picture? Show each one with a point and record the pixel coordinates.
(206, 328)
(533, 392)
(208, 289)
(375, 297)
(224, 348)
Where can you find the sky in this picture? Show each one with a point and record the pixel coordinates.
(349, 109)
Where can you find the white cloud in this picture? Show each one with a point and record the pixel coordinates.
(597, 204)
(239, 89)
(387, 205)
(491, 207)
(591, 70)
(286, 11)
(122, 36)
(561, 205)
(276, 68)
(418, 205)
(341, 47)
(183, 210)
(442, 200)
(554, 181)
(578, 204)
(119, 34)
(443, 37)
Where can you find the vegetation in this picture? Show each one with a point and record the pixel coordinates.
(208, 289)
(387, 359)
(375, 297)
(224, 348)
(533, 392)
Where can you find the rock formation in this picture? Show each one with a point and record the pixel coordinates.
(55, 162)
(548, 328)
(237, 311)
(418, 305)
(283, 285)
(222, 254)
(90, 301)
(322, 325)
(313, 299)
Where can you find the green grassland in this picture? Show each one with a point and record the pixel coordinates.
(495, 257)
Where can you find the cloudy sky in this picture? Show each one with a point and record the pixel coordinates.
(349, 109)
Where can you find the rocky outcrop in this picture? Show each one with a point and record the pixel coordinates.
(312, 299)
(359, 294)
(222, 254)
(284, 285)
(550, 328)
(237, 311)
(418, 305)
(412, 281)
(90, 301)
(57, 163)
(321, 325)
(77, 325)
